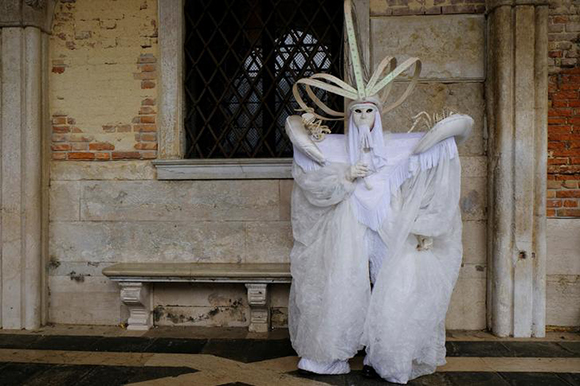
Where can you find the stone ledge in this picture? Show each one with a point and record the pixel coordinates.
(224, 169)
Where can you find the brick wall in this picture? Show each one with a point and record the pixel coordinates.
(564, 113)
(103, 80)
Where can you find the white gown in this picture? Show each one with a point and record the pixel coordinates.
(340, 226)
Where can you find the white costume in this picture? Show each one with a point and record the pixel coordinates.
(372, 207)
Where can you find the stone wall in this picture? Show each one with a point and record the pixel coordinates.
(103, 78)
(104, 109)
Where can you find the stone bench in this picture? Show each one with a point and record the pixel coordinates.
(134, 279)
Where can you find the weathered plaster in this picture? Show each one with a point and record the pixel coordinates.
(94, 50)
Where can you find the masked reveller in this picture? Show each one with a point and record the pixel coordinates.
(377, 229)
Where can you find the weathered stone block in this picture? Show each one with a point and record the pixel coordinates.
(467, 307)
(450, 46)
(475, 166)
(473, 202)
(433, 97)
(563, 300)
(268, 242)
(147, 241)
(475, 243)
(64, 201)
(92, 300)
(180, 200)
(563, 245)
(286, 187)
(118, 170)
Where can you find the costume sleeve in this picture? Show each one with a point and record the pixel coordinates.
(438, 205)
(325, 186)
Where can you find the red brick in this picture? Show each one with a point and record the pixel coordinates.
(556, 121)
(147, 84)
(75, 129)
(81, 156)
(59, 138)
(146, 146)
(149, 154)
(555, 54)
(570, 203)
(60, 129)
(565, 95)
(565, 177)
(551, 213)
(61, 147)
(569, 212)
(557, 161)
(103, 156)
(146, 110)
(147, 58)
(101, 146)
(560, 103)
(58, 156)
(570, 184)
(148, 102)
(126, 155)
(560, 112)
(553, 203)
(58, 69)
(568, 194)
(59, 121)
(148, 119)
(124, 129)
(145, 75)
(147, 67)
(70, 121)
(141, 128)
(109, 128)
(148, 137)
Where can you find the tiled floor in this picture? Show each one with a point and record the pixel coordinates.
(108, 356)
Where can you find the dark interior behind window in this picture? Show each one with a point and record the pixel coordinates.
(241, 59)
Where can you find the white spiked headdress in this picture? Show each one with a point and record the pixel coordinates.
(382, 78)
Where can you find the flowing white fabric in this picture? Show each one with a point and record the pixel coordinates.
(332, 313)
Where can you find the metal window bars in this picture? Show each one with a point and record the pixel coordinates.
(241, 59)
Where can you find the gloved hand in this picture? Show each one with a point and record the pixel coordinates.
(424, 242)
(356, 171)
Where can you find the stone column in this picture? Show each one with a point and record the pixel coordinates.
(23, 120)
(517, 103)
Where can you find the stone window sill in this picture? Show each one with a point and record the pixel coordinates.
(224, 169)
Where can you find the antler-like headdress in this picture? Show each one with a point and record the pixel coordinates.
(382, 78)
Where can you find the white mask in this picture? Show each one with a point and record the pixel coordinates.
(363, 114)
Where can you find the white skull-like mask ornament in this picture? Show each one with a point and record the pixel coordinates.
(363, 114)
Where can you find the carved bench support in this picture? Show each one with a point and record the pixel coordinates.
(136, 297)
(259, 307)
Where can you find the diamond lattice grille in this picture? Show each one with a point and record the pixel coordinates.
(241, 59)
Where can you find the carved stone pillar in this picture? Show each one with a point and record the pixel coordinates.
(23, 169)
(137, 298)
(517, 103)
(259, 307)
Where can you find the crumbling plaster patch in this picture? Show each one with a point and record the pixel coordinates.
(98, 73)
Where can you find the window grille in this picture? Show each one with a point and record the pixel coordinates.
(241, 59)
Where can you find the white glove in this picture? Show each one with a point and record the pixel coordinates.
(357, 171)
(424, 242)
